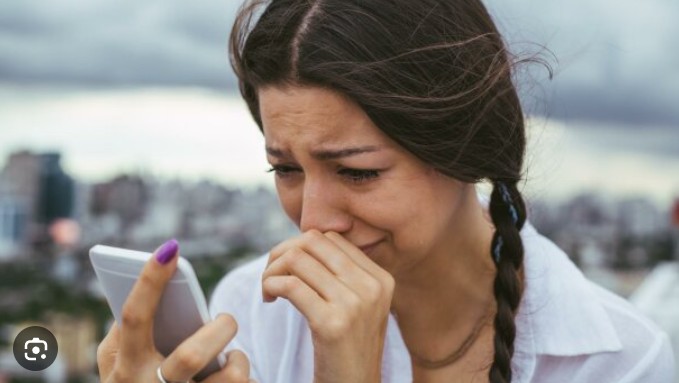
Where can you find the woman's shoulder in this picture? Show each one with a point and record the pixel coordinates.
(643, 352)
(646, 353)
(582, 331)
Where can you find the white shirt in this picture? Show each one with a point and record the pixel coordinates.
(567, 328)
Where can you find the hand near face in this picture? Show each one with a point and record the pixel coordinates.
(344, 296)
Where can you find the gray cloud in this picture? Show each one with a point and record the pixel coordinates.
(614, 58)
(116, 43)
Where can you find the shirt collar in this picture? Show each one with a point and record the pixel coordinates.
(560, 313)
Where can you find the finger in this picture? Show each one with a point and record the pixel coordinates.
(356, 255)
(303, 297)
(236, 370)
(140, 307)
(310, 237)
(194, 353)
(327, 252)
(312, 272)
(107, 352)
(381, 281)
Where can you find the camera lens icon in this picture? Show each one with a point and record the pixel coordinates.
(35, 348)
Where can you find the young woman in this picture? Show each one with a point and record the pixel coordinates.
(379, 118)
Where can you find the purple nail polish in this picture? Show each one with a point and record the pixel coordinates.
(167, 251)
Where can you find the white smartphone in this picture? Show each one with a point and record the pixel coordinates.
(182, 309)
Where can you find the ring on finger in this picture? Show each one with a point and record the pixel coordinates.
(162, 379)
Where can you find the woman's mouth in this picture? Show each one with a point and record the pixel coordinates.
(367, 249)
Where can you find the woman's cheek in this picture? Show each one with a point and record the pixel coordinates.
(291, 203)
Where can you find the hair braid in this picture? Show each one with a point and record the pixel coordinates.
(508, 213)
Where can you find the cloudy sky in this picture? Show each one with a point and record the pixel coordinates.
(121, 42)
(123, 85)
(614, 59)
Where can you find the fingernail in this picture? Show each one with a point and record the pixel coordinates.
(167, 251)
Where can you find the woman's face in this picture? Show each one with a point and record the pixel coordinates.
(336, 171)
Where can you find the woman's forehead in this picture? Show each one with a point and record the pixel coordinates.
(315, 116)
(297, 101)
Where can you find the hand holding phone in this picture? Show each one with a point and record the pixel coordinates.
(162, 321)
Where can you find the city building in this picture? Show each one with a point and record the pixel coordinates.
(34, 192)
(19, 199)
(13, 218)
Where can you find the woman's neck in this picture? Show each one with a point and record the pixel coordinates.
(440, 300)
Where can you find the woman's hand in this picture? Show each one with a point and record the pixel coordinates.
(128, 354)
(345, 298)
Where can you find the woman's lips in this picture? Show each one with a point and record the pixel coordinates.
(367, 249)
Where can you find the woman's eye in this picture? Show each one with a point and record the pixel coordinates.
(281, 171)
(353, 175)
(359, 175)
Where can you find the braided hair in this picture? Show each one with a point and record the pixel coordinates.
(433, 75)
(507, 211)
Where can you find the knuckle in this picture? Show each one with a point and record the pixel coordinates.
(343, 264)
(148, 280)
(190, 358)
(354, 304)
(121, 375)
(389, 284)
(381, 290)
(295, 259)
(312, 234)
(100, 356)
(294, 253)
(107, 348)
(317, 323)
(102, 346)
(101, 353)
(389, 281)
(275, 252)
(336, 327)
(291, 284)
(131, 316)
(374, 290)
(331, 234)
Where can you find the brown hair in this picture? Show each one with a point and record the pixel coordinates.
(434, 75)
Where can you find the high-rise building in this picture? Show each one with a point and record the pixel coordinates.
(19, 188)
(34, 192)
(56, 190)
(13, 220)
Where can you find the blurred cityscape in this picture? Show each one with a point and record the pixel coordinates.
(49, 220)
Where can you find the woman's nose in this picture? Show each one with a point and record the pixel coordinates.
(323, 209)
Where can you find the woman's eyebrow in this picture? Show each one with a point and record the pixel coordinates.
(326, 154)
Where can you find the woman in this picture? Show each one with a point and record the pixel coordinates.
(379, 118)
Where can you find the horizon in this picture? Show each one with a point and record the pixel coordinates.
(193, 134)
